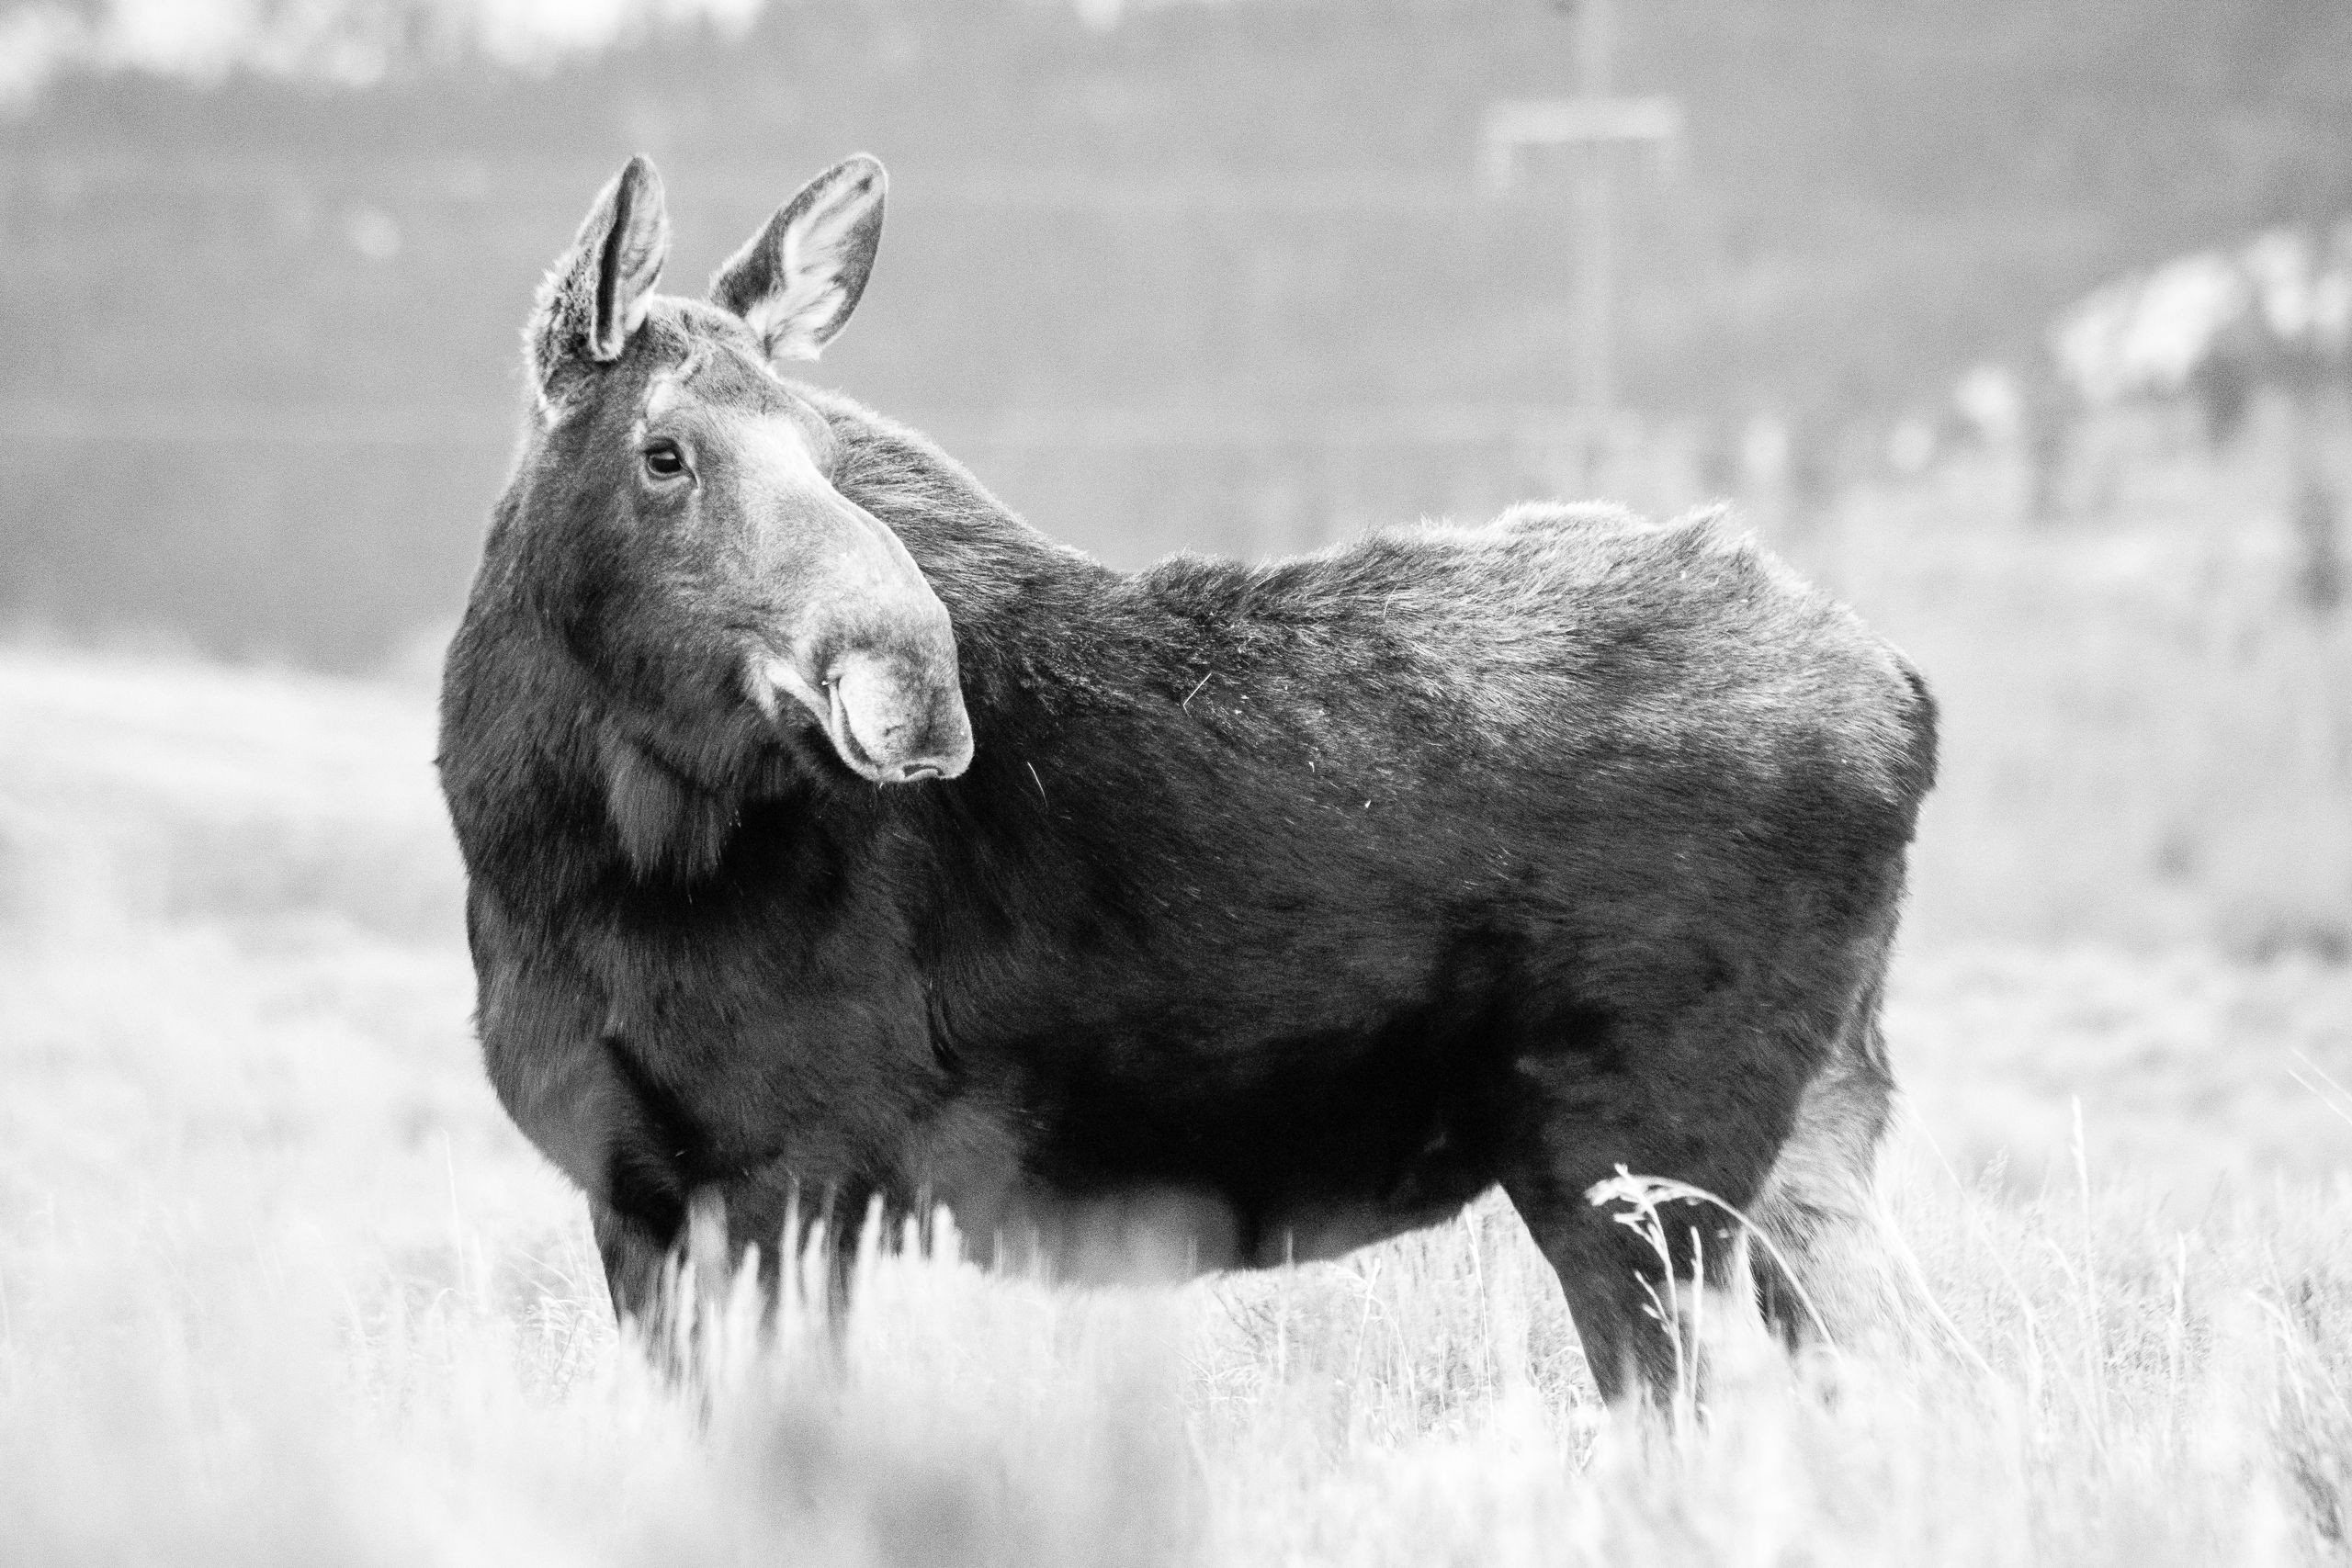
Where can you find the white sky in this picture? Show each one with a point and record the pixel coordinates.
(355, 41)
(344, 41)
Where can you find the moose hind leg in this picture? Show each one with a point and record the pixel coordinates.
(1815, 1207)
(1633, 1309)
(1703, 1095)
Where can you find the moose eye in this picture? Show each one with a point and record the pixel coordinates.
(664, 461)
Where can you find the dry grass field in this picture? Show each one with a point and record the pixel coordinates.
(278, 1284)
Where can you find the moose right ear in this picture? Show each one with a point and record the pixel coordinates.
(597, 293)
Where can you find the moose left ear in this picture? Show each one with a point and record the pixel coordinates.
(596, 294)
(800, 277)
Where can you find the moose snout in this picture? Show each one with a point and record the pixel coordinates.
(889, 720)
(897, 720)
(873, 655)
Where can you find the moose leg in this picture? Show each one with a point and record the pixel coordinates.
(635, 1270)
(1632, 1317)
(1704, 1094)
(671, 1288)
(807, 1240)
(1815, 1208)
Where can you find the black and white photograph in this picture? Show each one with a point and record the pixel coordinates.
(1167, 783)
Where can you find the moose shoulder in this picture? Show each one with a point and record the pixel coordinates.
(834, 835)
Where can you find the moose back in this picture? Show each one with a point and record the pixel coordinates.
(835, 838)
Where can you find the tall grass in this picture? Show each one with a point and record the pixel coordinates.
(2120, 1391)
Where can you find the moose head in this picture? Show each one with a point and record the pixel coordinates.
(683, 536)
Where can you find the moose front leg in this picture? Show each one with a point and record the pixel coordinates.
(802, 1251)
(636, 1261)
(806, 1237)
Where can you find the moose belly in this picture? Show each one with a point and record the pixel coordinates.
(1155, 1232)
(1158, 1163)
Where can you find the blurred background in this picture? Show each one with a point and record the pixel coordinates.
(2026, 327)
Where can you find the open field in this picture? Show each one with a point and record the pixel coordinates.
(278, 1284)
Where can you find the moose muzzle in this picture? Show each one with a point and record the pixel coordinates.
(874, 663)
(896, 718)
(892, 715)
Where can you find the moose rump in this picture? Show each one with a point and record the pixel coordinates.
(832, 836)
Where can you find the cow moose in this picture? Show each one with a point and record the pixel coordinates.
(835, 838)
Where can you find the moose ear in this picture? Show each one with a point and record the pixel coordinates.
(598, 291)
(798, 278)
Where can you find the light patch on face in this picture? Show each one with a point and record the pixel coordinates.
(779, 479)
(773, 447)
(777, 468)
(668, 387)
(770, 448)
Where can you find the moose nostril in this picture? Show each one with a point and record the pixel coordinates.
(912, 771)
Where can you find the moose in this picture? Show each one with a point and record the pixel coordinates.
(835, 840)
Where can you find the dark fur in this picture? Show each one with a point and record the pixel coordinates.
(1283, 908)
